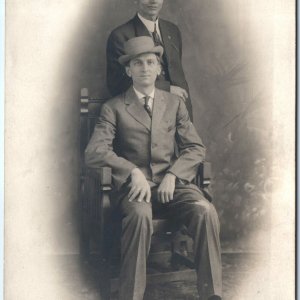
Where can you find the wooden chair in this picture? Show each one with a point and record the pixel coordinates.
(99, 223)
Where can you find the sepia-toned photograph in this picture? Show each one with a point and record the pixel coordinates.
(150, 150)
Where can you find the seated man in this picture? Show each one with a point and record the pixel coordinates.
(135, 135)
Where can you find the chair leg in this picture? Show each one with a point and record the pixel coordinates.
(105, 290)
(84, 238)
(105, 265)
(180, 250)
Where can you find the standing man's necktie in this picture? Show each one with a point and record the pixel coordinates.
(147, 106)
(156, 37)
(164, 75)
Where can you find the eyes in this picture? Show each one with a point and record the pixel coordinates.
(148, 62)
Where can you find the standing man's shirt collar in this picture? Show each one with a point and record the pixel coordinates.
(150, 24)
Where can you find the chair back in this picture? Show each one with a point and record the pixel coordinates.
(89, 112)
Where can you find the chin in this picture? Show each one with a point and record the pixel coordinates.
(146, 82)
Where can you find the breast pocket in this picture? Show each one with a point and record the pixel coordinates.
(168, 125)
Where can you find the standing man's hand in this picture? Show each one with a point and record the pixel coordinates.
(176, 90)
(140, 188)
(166, 188)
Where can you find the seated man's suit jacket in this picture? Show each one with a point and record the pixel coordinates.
(125, 138)
(117, 79)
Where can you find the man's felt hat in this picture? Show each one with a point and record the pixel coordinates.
(137, 46)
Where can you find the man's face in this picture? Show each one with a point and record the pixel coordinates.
(143, 70)
(150, 9)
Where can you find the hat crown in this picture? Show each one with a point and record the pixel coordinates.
(139, 45)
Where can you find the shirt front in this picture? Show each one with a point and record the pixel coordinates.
(142, 96)
(150, 25)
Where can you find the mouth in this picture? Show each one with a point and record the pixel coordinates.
(152, 7)
(145, 76)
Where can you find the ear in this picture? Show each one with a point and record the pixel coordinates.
(158, 71)
(128, 72)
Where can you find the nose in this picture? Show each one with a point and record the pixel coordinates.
(145, 66)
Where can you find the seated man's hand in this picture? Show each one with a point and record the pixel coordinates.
(166, 188)
(176, 90)
(140, 188)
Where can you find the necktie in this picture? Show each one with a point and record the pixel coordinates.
(156, 37)
(164, 75)
(147, 106)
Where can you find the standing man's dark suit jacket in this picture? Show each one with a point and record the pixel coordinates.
(119, 82)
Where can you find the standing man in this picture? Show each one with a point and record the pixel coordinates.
(145, 124)
(164, 33)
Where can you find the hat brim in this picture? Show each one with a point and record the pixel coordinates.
(124, 59)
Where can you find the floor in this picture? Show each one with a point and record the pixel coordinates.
(244, 278)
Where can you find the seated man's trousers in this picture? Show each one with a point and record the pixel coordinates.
(188, 207)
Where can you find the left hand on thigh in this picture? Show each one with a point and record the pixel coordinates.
(166, 188)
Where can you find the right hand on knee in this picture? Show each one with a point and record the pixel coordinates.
(139, 187)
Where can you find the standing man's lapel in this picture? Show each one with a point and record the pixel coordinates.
(136, 109)
(166, 38)
(140, 28)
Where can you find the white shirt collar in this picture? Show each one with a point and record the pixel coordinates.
(141, 95)
(149, 24)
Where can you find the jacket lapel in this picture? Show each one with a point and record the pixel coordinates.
(158, 110)
(140, 28)
(166, 38)
(136, 109)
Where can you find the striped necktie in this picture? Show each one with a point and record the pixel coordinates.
(164, 75)
(147, 106)
(156, 37)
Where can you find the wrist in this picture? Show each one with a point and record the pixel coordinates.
(171, 175)
(135, 171)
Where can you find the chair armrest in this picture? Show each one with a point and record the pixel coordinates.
(97, 187)
(204, 174)
(102, 175)
(203, 177)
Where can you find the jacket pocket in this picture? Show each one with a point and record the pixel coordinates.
(168, 125)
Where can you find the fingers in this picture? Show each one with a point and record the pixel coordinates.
(171, 196)
(140, 189)
(164, 196)
(133, 193)
(185, 93)
(139, 194)
(160, 197)
(148, 196)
